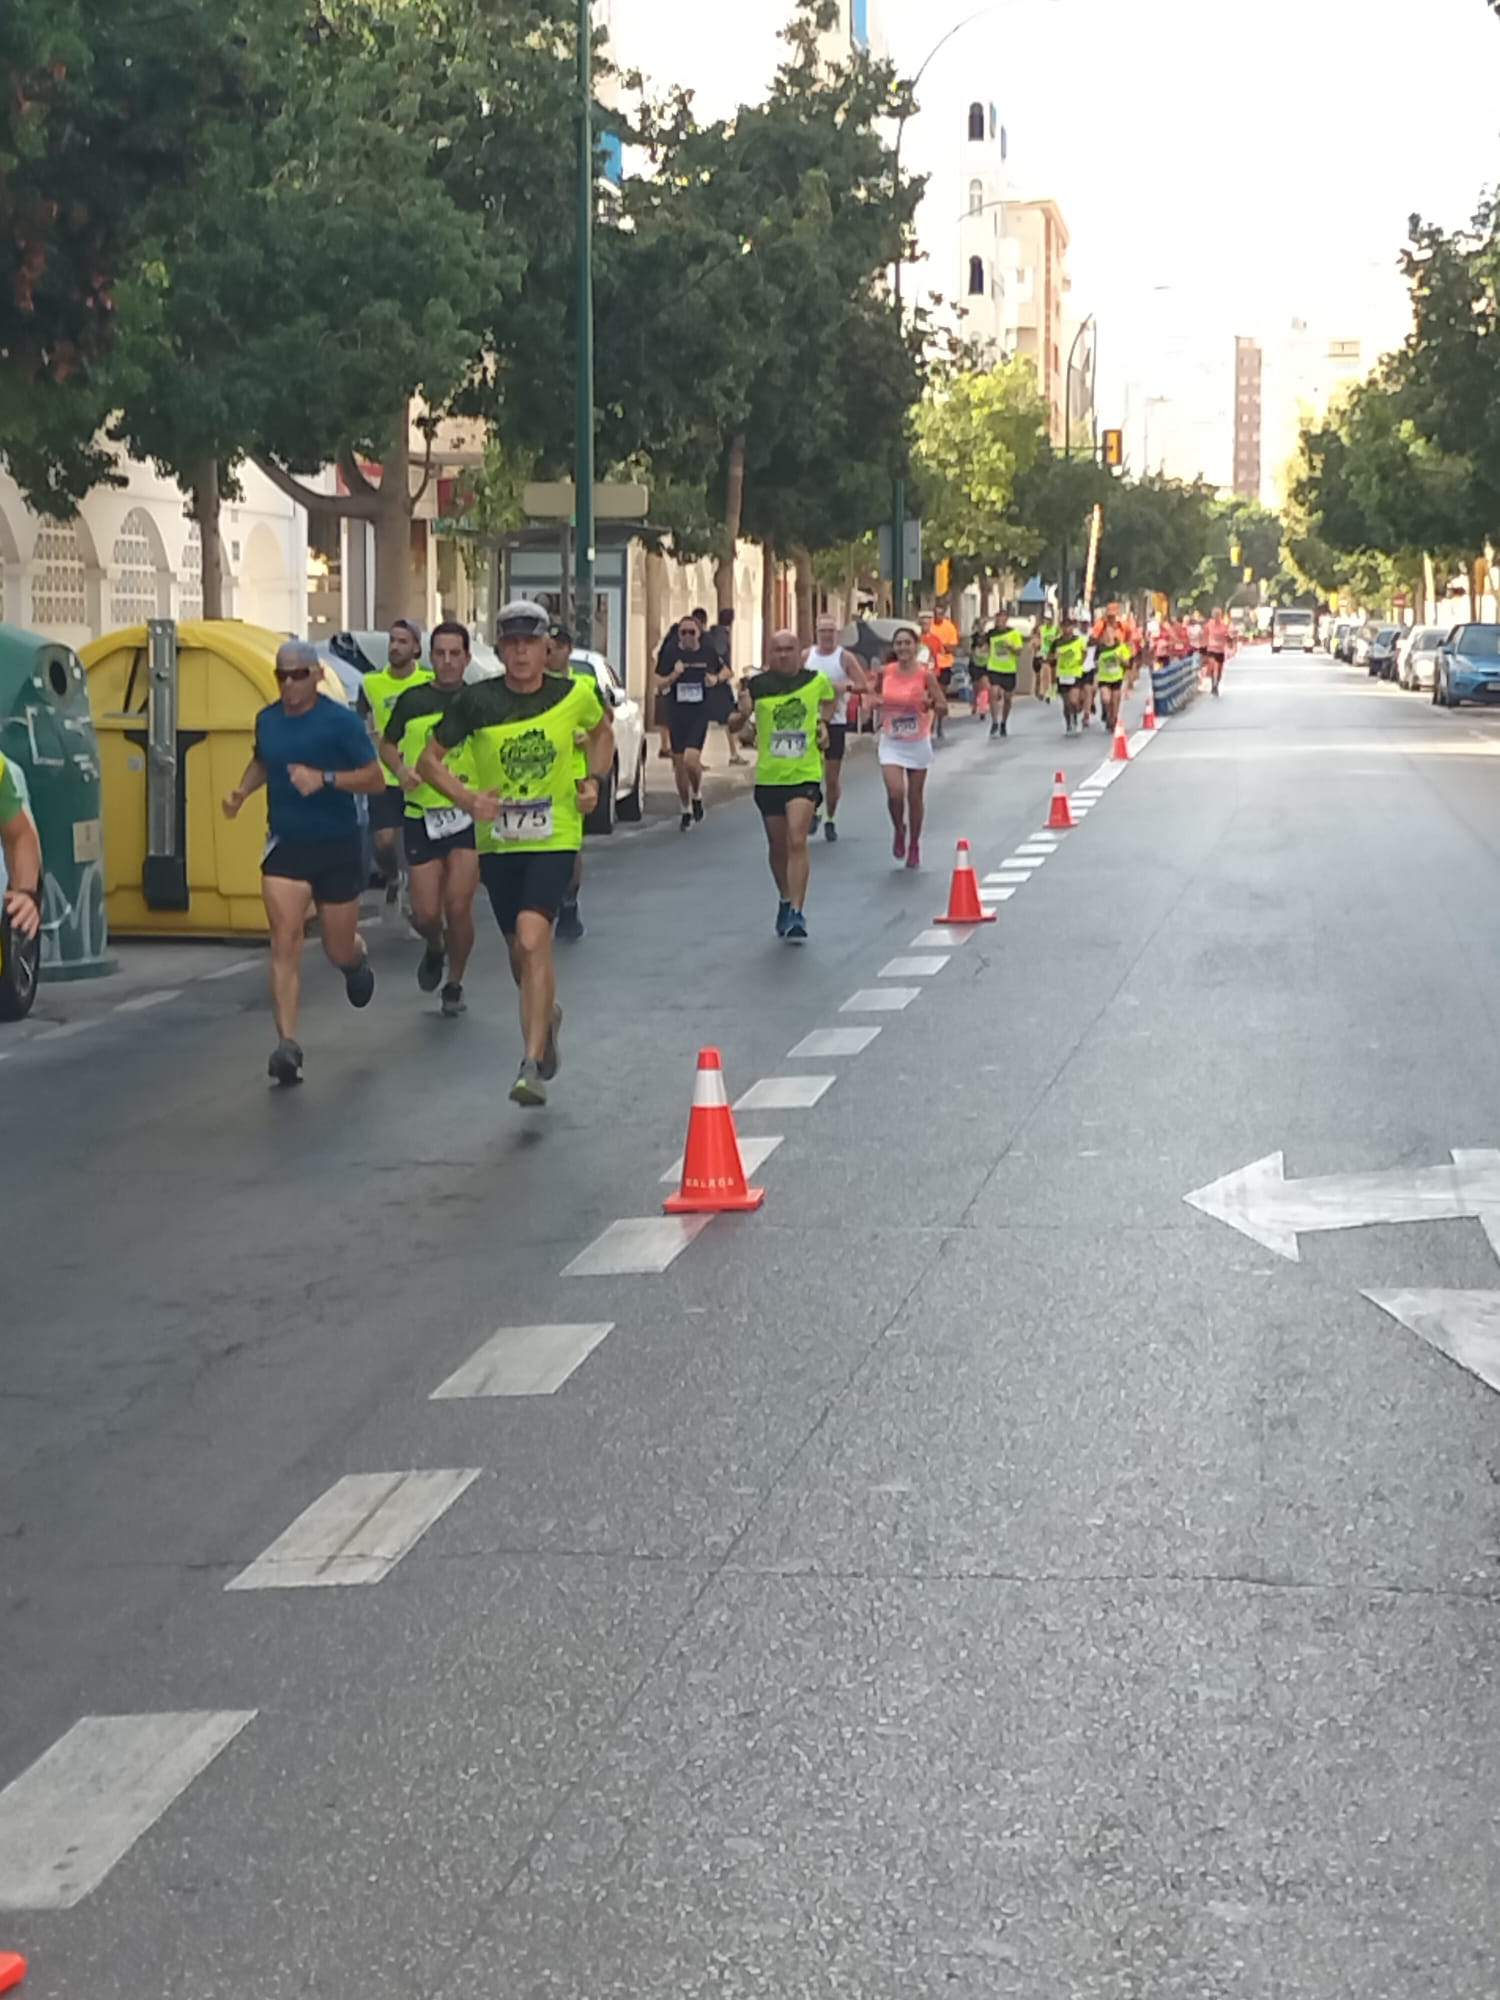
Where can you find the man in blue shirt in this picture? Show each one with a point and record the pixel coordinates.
(312, 755)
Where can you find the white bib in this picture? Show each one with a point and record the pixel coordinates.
(788, 743)
(690, 690)
(523, 819)
(441, 821)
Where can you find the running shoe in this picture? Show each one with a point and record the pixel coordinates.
(697, 808)
(898, 845)
(783, 916)
(994, 729)
(528, 1088)
(914, 855)
(430, 971)
(552, 1054)
(285, 1065)
(454, 1002)
(817, 821)
(830, 831)
(796, 927)
(1004, 729)
(685, 822)
(393, 892)
(359, 982)
(569, 923)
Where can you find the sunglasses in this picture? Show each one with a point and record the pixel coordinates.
(294, 673)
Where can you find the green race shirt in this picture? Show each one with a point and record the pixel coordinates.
(1070, 658)
(523, 746)
(379, 692)
(10, 795)
(1005, 650)
(411, 722)
(1113, 660)
(1047, 639)
(786, 726)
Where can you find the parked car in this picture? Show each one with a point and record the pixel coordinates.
(1339, 637)
(623, 792)
(1416, 656)
(1380, 658)
(1468, 666)
(1294, 630)
(1359, 645)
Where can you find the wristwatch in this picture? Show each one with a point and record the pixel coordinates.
(330, 778)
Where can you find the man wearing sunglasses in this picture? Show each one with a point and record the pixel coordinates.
(312, 755)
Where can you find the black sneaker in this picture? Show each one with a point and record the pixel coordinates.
(359, 983)
(569, 923)
(697, 808)
(830, 831)
(685, 822)
(454, 1003)
(393, 892)
(994, 729)
(430, 971)
(1004, 731)
(285, 1065)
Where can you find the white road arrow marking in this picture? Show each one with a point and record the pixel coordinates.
(1463, 1325)
(1264, 1205)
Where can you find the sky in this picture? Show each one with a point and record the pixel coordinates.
(1257, 162)
(1223, 169)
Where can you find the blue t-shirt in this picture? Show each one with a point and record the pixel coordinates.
(329, 737)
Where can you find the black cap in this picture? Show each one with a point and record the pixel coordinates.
(523, 618)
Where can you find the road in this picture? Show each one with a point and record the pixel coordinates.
(983, 1571)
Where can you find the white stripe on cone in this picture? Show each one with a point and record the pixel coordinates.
(709, 1093)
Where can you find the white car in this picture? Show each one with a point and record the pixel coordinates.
(1416, 657)
(623, 793)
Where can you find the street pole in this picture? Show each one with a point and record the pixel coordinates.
(583, 462)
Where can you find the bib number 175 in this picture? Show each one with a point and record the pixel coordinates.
(523, 819)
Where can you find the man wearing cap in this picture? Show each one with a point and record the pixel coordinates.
(522, 734)
(560, 661)
(378, 694)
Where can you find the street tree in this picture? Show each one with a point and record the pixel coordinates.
(979, 433)
(1156, 533)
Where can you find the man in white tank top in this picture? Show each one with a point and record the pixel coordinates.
(848, 676)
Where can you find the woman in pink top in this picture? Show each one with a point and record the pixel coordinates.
(910, 695)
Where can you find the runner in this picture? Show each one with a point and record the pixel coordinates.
(722, 705)
(930, 653)
(311, 754)
(847, 674)
(560, 661)
(1006, 646)
(1216, 646)
(530, 802)
(1114, 663)
(1044, 647)
(910, 694)
(1068, 655)
(21, 902)
(441, 858)
(792, 705)
(688, 686)
(378, 694)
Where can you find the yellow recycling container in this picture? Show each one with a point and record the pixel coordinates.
(225, 676)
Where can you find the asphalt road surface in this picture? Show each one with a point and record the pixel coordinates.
(983, 1571)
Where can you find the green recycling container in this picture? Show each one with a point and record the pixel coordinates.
(47, 736)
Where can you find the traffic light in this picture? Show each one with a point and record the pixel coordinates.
(1114, 448)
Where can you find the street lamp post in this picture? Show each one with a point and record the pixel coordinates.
(583, 460)
(1066, 606)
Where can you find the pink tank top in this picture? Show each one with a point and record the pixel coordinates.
(903, 703)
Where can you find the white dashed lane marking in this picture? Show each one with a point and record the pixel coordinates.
(144, 1000)
(754, 1152)
(880, 999)
(357, 1531)
(785, 1093)
(913, 968)
(1003, 894)
(938, 940)
(523, 1361)
(825, 1042)
(637, 1246)
(233, 971)
(84, 1803)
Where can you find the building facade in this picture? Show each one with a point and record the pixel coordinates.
(1247, 418)
(1038, 309)
(986, 275)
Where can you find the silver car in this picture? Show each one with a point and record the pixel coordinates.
(1416, 657)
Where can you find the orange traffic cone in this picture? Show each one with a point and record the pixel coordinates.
(12, 1970)
(713, 1174)
(1061, 814)
(1148, 720)
(964, 906)
(1120, 751)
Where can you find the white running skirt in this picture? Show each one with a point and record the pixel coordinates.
(912, 753)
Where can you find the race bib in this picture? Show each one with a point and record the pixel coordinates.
(441, 821)
(906, 725)
(788, 743)
(523, 819)
(690, 690)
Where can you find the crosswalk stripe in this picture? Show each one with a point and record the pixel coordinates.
(357, 1531)
(637, 1246)
(914, 968)
(785, 1093)
(523, 1361)
(880, 999)
(834, 1042)
(70, 1816)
